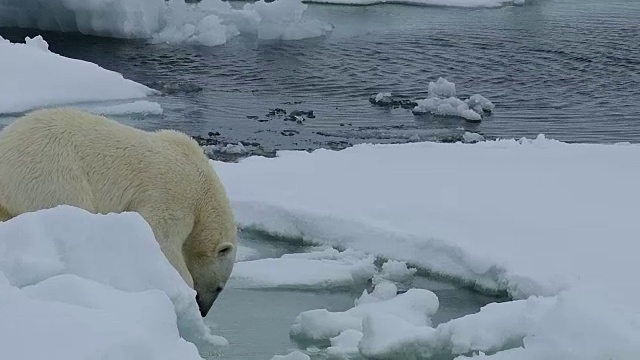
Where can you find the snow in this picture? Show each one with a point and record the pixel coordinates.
(33, 77)
(209, 23)
(452, 3)
(137, 107)
(533, 217)
(80, 285)
(442, 101)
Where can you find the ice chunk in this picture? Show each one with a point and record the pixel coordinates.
(385, 290)
(136, 107)
(345, 345)
(481, 101)
(446, 107)
(33, 77)
(470, 137)
(397, 271)
(442, 88)
(415, 306)
(294, 355)
(328, 268)
(442, 101)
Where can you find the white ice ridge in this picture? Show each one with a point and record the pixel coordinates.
(210, 22)
(77, 285)
(451, 3)
(32, 77)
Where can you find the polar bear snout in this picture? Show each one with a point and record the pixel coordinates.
(205, 301)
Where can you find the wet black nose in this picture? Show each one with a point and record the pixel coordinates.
(205, 305)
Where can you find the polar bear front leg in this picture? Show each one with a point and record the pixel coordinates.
(170, 233)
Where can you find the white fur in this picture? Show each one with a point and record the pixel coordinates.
(65, 156)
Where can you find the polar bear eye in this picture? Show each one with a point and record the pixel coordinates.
(225, 250)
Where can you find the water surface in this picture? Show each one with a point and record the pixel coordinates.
(566, 68)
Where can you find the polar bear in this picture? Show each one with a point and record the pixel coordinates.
(70, 157)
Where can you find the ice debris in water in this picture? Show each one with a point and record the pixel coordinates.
(442, 88)
(469, 137)
(225, 149)
(416, 306)
(294, 355)
(442, 101)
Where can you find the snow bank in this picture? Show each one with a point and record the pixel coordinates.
(451, 3)
(531, 217)
(442, 101)
(79, 285)
(32, 77)
(210, 22)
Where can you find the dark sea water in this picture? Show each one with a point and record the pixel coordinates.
(567, 68)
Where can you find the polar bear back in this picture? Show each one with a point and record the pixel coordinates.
(66, 156)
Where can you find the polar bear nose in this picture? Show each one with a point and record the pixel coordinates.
(206, 302)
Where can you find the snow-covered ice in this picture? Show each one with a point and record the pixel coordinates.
(452, 3)
(320, 268)
(533, 217)
(79, 285)
(209, 22)
(442, 101)
(415, 307)
(33, 77)
(136, 107)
